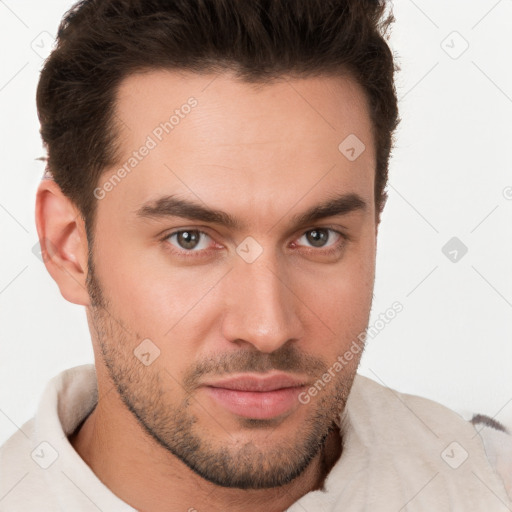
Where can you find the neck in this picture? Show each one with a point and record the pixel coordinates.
(149, 478)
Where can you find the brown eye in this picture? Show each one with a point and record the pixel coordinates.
(188, 239)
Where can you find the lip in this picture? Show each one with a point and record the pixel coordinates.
(257, 397)
(251, 382)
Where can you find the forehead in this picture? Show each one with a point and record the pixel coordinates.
(212, 135)
(327, 103)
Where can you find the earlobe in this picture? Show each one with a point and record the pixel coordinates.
(61, 233)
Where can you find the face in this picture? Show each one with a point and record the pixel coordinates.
(233, 262)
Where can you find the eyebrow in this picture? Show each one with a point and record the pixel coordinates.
(171, 206)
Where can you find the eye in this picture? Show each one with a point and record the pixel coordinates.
(195, 243)
(319, 237)
(189, 240)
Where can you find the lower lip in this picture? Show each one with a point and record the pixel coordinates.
(256, 404)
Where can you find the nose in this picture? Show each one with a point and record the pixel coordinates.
(261, 307)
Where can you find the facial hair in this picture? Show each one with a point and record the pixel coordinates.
(163, 405)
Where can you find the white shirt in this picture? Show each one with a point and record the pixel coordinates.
(400, 453)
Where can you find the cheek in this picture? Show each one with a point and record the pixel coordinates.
(340, 299)
(344, 288)
(355, 292)
(154, 297)
(343, 305)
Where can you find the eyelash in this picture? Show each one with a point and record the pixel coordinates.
(201, 253)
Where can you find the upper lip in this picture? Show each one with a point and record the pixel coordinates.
(248, 382)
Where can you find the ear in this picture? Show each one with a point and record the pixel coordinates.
(63, 241)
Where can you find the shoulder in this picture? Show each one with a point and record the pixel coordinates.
(399, 443)
(22, 479)
(497, 440)
(408, 410)
(393, 422)
(31, 457)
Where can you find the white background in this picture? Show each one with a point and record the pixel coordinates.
(450, 176)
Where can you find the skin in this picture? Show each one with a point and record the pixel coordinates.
(262, 154)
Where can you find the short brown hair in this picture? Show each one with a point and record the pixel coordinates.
(100, 42)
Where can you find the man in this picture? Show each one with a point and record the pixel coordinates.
(216, 175)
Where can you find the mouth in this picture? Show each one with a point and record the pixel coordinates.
(256, 396)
